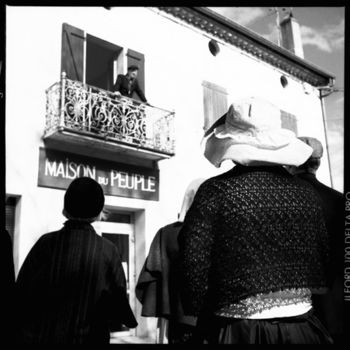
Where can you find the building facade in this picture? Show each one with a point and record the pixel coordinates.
(63, 120)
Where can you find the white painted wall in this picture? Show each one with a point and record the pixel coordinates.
(177, 60)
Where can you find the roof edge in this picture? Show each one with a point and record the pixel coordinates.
(234, 34)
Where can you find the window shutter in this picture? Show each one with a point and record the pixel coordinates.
(137, 59)
(215, 103)
(72, 56)
(289, 121)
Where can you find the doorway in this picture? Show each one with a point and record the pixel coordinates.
(119, 229)
(10, 215)
(95, 61)
(103, 62)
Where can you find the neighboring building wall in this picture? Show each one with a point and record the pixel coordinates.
(177, 61)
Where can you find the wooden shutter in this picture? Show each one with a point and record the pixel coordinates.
(137, 59)
(72, 56)
(215, 103)
(289, 121)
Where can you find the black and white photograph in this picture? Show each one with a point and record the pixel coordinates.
(174, 175)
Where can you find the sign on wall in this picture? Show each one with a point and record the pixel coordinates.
(58, 169)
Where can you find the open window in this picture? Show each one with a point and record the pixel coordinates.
(95, 61)
(104, 61)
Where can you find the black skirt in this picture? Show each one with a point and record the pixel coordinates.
(303, 329)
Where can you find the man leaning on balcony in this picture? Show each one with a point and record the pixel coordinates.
(127, 84)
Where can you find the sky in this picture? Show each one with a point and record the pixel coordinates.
(322, 31)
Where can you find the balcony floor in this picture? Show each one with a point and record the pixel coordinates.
(102, 148)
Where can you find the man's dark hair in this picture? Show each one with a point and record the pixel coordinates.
(84, 198)
(132, 68)
(311, 165)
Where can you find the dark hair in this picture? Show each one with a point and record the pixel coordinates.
(84, 198)
(311, 165)
(132, 68)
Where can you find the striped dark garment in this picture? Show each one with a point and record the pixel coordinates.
(71, 289)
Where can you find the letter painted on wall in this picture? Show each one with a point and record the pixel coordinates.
(58, 169)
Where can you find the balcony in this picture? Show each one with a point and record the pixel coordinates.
(90, 121)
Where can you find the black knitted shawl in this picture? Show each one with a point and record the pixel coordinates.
(251, 230)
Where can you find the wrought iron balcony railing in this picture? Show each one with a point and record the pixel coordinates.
(85, 109)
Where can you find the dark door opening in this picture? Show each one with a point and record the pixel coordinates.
(102, 64)
(10, 213)
(121, 241)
